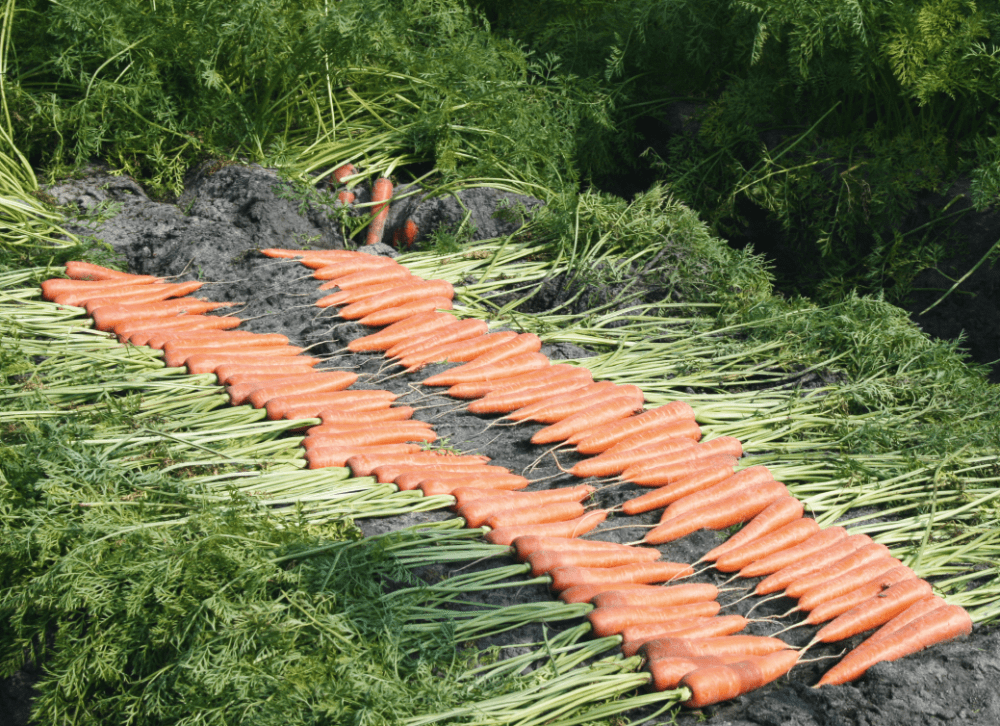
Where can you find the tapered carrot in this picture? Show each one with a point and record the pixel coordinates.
(536, 514)
(721, 446)
(408, 293)
(389, 315)
(570, 528)
(610, 463)
(658, 596)
(317, 261)
(782, 538)
(845, 581)
(383, 434)
(917, 610)
(140, 331)
(799, 553)
(523, 343)
(55, 286)
(565, 405)
(613, 620)
(528, 545)
(212, 337)
(831, 608)
(586, 593)
(777, 515)
(346, 197)
(390, 472)
(741, 481)
(875, 611)
(609, 410)
(311, 383)
(209, 362)
(265, 385)
(299, 364)
(381, 193)
(405, 237)
(722, 645)
(714, 684)
(370, 420)
(712, 627)
(667, 477)
(131, 294)
(529, 379)
(684, 428)
(372, 276)
(403, 330)
(936, 626)
(667, 672)
(288, 254)
(347, 297)
(459, 330)
(734, 509)
(606, 436)
(455, 479)
(548, 560)
(457, 352)
(179, 355)
(340, 455)
(802, 565)
(476, 512)
(509, 400)
(108, 316)
(858, 557)
(506, 368)
(311, 405)
(436, 485)
(363, 465)
(78, 270)
(344, 171)
(466, 494)
(339, 268)
(697, 479)
(640, 572)
(242, 384)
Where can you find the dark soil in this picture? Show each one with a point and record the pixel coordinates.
(230, 214)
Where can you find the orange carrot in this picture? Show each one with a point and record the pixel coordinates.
(406, 237)
(436, 485)
(549, 559)
(831, 608)
(609, 410)
(800, 552)
(146, 328)
(804, 564)
(745, 645)
(613, 620)
(505, 368)
(346, 197)
(286, 254)
(383, 434)
(407, 293)
(179, 355)
(565, 405)
(658, 596)
(108, 316)
(213, 337)
(586, 593)
(712, 627)
(531, 379)
(697, 480)
(55, 286)
(721, 446)
(339, 456)
(734, 509)
(456, 352)
(738, 482)
(536, 514)
(668, 672)
(477, 511)
(364, 464)
(685, 427)
(311, 383)
(311, 405)
(858, 557)
(875, 611)
(714, 684)
(372, 276)
(286, 366)
(936, 626)
(454, 479)
(569, 528)
(343, 171)
(360, 420)
(132, 294)
(667, 477)
(846, 581)
(77, 270)
(640, 572)
(387, 316)
(381, 193)
(403, 330)
(528, 545)
(782, 538)
(781, 512)
(523, 343)
(612, 433)
(241, 385)
(917, 610)
(509, 400)
(340, 268)
(391, 472)
(347, 297)
(610, 463)
(458, 331)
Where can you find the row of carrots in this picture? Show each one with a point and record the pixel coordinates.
(660, 448)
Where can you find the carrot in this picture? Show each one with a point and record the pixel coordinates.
(585, 593)
(940, 624)
(456, 352)
(286, 254)
(860, 556)
(831, 608)
(806, 564)
(309, 383)
(310, 405)
(781, 512)
(640, 572)
(780, 539)
(712, 627)
(391, 472)
(568, 528)
(720, 446)
(364, 464)
(846, 581)
(528, 545)
(530, 379)
(403, 330)
(370, 437)
(523, 343)
(547, 560)
(738, 482)
(875, 611)
(726, 512)
(476, 512)
(667, 672)
(209, 362)
(139, 331)
(381, 193)
(610, 463)
(368, 420)
(684, 428)
(343, 171)
(507, 401)
(606, 436)
(457, 331)
(609, 410)
(140, 293)
(536, 514)
(242, 385)
(333, 269)
(696, 480)
(714, 684)
(466, 494)
(178, 355)
(668, 476)
(613, 620)
(407, 293)
(444, 482)
(77, 270)
(565, 405)
(285, 366)
(658, 596)
(387, 316)
(406, 237)
(213, 337)
(746, 645)
(346, 198)
(108, 316)
(372, 276)
(55, 286)
(917, 610)
(347, 297)
(506, 368)
(340, 455)
(800, 552)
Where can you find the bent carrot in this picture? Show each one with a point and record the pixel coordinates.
(781, 512)
(610, 463)
(381, 194)
(408, 293)
(340, 455)
(782, 538)
(800, 552)
(830, 608)
(536, 514)
(714, 684)
(547, 560)
(610, 410)
(569, 528)
(645, 573)
(389, 315)
(667, 477)
(606, 436)
(696, 480)
(403, 330)
(606, 621)
(874, 611)
(506, 368)
(658, 596)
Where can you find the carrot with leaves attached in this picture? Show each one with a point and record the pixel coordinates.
(381, 194)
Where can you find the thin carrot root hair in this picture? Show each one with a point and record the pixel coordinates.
(766, 599)
(394, 375)
(790, 627)
(552, 450)
(445, 413)
(818, 658)
(623, 526)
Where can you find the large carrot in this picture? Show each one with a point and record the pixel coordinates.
(936, 626)
(242, 385)
(832, 607)
(389, 315)
(224, 371)
(340, 268)
(476, 512)
(741, 481)
(668, 476)
(606, 436)
(347, 297)
(536, 514)
(509, 400)
(367, 418)
(667, 672)
(55, 286)
(528, 545)
(457, 331)
(691, 628)
(565, 405)
(457, 352)
(697, 479)
(313, 404)
(714, 684)
(372, 276)
(407, 432)
(390, 472)
(344, 171)
(444, 482)
(609, 410)
(311, 383)
(780, 513)
(799, 553)
(720, 446)
(364, 464)
(917, 610)
(367, 422)
(745, 645)
(403, 330)
(684, 428)
(610, 463)
(131, 294)
(845, 581)
(340, 455)
(658, 596)
(141, 332)
(782, 538)
(549, 559)
(381, 194)
(108, 316)
(607, 621)
(179, 355)
(530, 379)
(570, 528)
(523, 343)
(803, 564)
(78, 270)
(287, 254)
(640, 572)
(213, 337)
(875, 611)
(860, 556)
(408, 293)
(506, 368)
(586, 593)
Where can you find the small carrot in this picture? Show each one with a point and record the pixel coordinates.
(640, 572)
(696, 480)
(339, 456)
(549, 559)
(609, 410)
(606, 436)
(381, 194)
(403, 330)
(364, 464)
(78, 270)
(780, 513)
(505, 368)
(712, 627)
(936, 626)
(536, 514)
(310, 405)
(780, 539)
(858, 557)
(458, 331)
(387, 316)
(745, 645)
(613, 620)
(528, 545)
(477, 511)
(565, 405)
(569, 528)
(686, 428)
(108, 316)
(507, 401)
(734, 509)
(831, 608)
(667, 477)
(799, 553)
(658, 596)
(406, 237)
(875, 611)
(343, 171)
(714, 684)
(311, 383)
(803, 564)
(667, 672)
(720, 446)
(346, 198)
(530, 379)
(610, 463)
(401, 295)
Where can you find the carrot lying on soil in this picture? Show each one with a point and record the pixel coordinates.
(209, 362)
(721, 645)
(407, 293)
(78, 270)
(780, 539)
(140, 293)
(607, 621)
(346, 197)
(564, 405)
(439, 485)
(780, 513)
(381, 193)
(667, 477)
(546, 560)
(288, 254)
(339, 268)
(258, 388)
(60, 285)
(608, 410)
(460, 330)
(641, 572)
(697, 479)
(536, 514)
(403, 330)
(845, 581)
(506, 368)
(803, 565)
(831, 608)
(714, 684)
(667, 672)
(510, 400)
(569, 528)
(387, 316)
(862, 555)
(925, 623)
(287, 366)
(658, 596)
(606, 436)
(108, 316)
(310, 383)
(178, 355)
(799, 553)
(720, 446)
(140, 331)
(522, 343)
(530, 379)
(610, 463)
(686, 428)
(739, 481)
(372, 276)
(313, 404)
(476, 512)
(370, 437)
(875, 611)
(391, 472)
(242, 384)
(586, 593)
(214, 338)
(363, 465)
(347, 297)
(528, 545)
(713, 627)
(318, 261)
(368, 421)
(339, 456)
(457, 352)
(445, 482)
